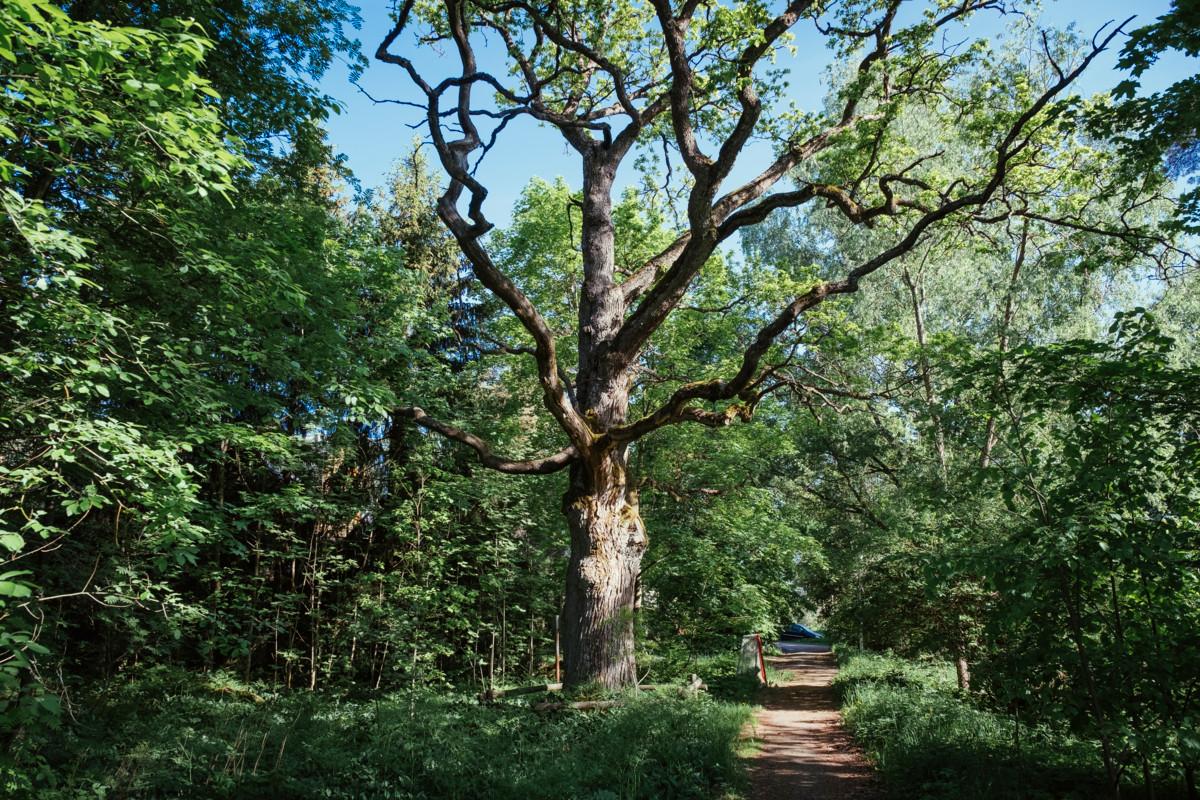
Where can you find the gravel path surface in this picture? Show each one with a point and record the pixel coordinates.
(805, 751)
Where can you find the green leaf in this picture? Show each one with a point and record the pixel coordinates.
(14, 589)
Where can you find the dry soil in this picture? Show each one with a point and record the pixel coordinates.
(805, 752)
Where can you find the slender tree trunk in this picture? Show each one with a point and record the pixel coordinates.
(1072, 597)
(989, 434)
(917, 295)
(963, 672)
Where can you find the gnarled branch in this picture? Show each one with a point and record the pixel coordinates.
(534, 466)
(678, 408)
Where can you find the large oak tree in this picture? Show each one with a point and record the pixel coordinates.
(699, 82)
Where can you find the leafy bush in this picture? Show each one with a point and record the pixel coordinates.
(930, 741)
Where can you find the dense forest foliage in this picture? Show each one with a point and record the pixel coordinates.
(212, 340)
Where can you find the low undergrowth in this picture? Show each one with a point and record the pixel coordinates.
(173, 735)
(931, 741)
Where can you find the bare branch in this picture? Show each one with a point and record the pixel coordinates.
(677, 408)
(454, 157)
(671, 271)
(674, 31)
(675, 267)
(537, 466)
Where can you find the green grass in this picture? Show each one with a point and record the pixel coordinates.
(929, 741)
(171, 735)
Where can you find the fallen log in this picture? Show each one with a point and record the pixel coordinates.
(694, 684)
(581, 705)
(492, 694)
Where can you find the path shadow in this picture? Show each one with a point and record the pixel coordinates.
(805, 751)
(788, 648)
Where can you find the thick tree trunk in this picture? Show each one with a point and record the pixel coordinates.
(608, 540)
(607, 534)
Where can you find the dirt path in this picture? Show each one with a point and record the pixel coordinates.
(805, 752)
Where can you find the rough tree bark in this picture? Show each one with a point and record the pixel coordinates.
(608, 540)
(607, 100)
(608, 537)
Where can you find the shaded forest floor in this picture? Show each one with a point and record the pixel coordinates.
(928, 740)
(173, 734)
(167, 733)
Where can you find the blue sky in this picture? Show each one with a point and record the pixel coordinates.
(373, 136)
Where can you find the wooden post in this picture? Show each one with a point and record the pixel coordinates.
(762, 662)
(492, 664)
(557, 651)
